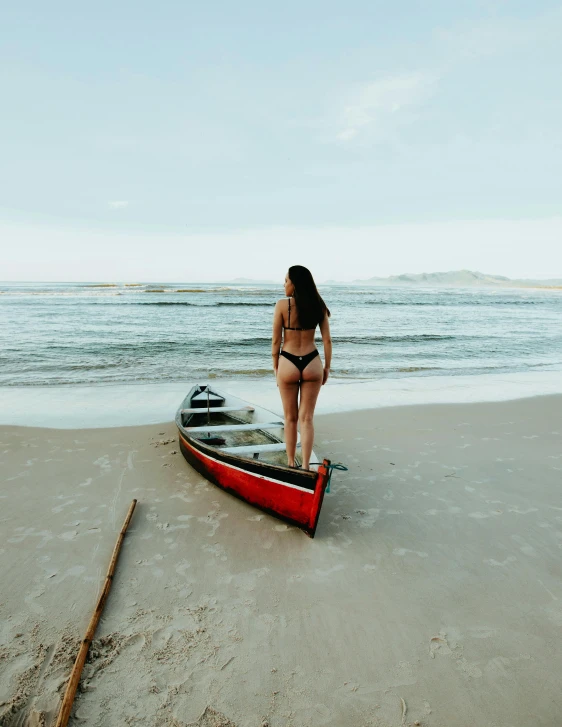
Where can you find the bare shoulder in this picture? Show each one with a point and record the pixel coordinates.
(280, 309)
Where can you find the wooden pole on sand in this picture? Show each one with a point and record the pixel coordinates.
(72, 685)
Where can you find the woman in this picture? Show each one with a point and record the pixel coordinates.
(298, 366)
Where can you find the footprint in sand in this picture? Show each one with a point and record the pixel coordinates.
(69, 535)
(59, 508)
(217, 550)
(402, 552)
(182, 567)
(482, 632)
(522, 512)
(181, 496)
(501, 563)
(31, 599)
(213, 519)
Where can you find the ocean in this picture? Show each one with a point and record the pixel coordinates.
(98, 333)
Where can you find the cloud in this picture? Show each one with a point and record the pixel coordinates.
(500, 35)
(376, 109)
(374, 103)
(118, 204)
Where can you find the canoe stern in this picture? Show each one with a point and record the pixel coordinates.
(295, 505)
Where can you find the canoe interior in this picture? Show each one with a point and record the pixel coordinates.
(240, 438)
(234, 438)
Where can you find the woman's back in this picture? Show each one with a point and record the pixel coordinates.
(296, 338)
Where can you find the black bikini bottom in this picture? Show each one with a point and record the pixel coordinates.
(301, 362)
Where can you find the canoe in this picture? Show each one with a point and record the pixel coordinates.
(240, 447)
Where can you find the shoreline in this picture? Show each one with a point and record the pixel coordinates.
(117, 405)
(434, 578)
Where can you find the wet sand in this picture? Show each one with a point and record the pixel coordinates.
(432, 593)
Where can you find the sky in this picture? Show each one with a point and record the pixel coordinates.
(178, 141)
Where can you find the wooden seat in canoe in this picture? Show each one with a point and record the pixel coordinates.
(235, 427)
(256, 448)
(216, 409)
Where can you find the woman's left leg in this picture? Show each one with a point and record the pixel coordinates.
(288, 383)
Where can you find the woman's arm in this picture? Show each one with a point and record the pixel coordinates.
(327, 341)
(276, 339)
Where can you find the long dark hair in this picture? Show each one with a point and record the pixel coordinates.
(311, 307)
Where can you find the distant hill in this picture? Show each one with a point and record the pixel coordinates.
(460, 278)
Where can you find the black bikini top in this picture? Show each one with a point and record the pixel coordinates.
(288, 328)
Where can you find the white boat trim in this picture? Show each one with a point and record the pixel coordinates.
(255, 448)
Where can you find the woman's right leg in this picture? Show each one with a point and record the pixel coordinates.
(310, 388)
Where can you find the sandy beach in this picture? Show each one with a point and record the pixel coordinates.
(431, 595)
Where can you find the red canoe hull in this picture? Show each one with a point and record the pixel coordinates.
(290, 502)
